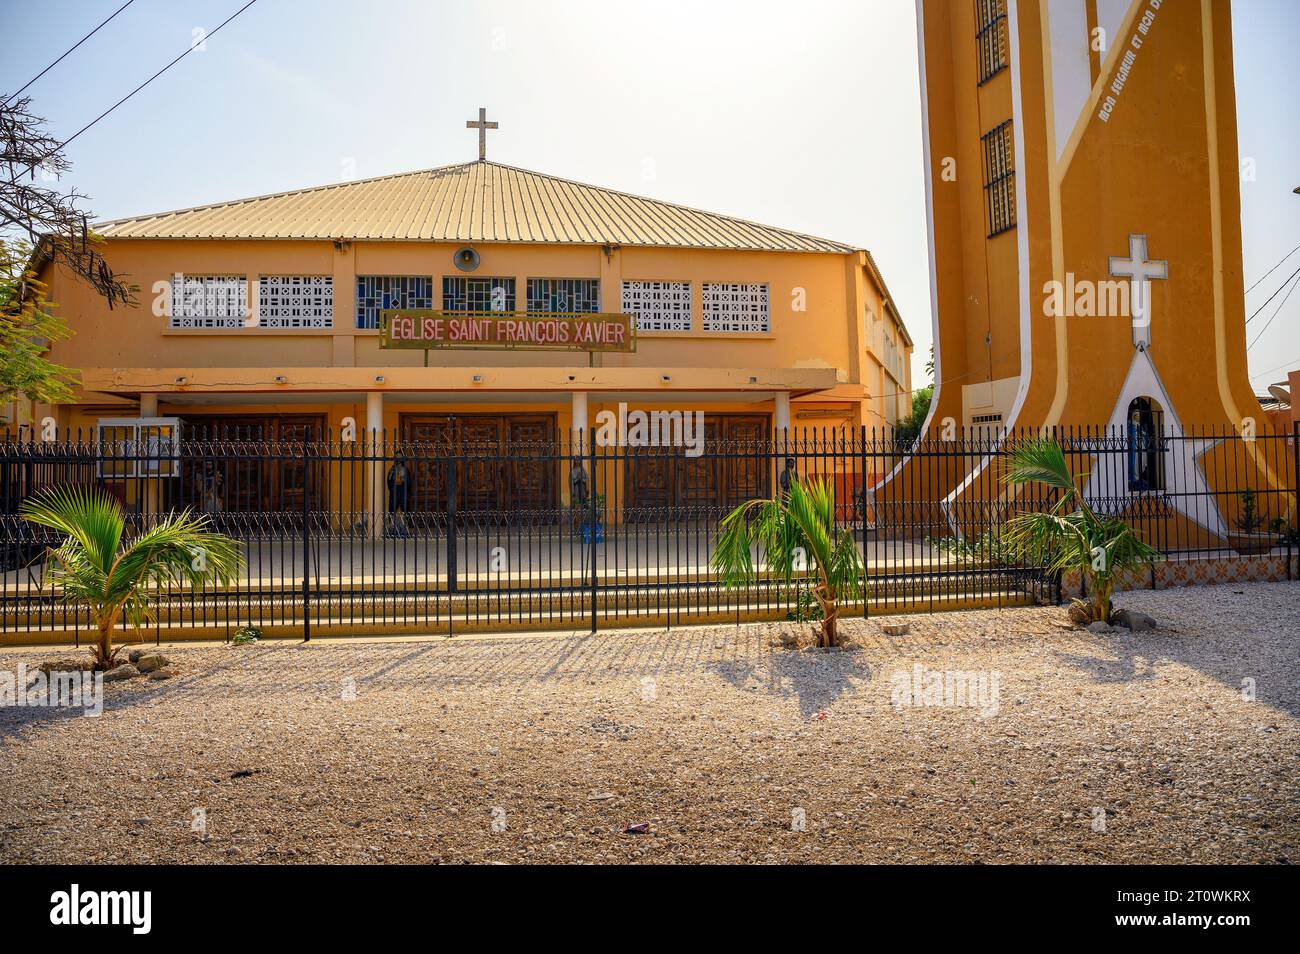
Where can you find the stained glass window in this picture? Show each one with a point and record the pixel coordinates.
(564, 294)
(377, 292)
(478, 294)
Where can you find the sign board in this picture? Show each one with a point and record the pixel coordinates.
(428, 328)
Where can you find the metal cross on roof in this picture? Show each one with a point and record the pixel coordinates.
(482, 125)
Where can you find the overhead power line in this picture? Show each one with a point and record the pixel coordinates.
(188, 50)
(1276, 311)
(1272, 296)
(1273, 269)
(14, 96)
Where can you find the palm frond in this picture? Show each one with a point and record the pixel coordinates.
(90, 518)
(1039, 461)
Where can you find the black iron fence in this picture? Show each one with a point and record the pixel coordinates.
(392, 535)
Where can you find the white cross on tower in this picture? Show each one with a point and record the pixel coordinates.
(482, 125)
(1139, 272)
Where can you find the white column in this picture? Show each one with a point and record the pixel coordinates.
(579, 424)
(148, 404)
(375, 476)
(781, 420)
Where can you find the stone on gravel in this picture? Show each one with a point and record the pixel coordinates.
(118, 673)
(896, 629)
(160, 674)
(1099, 628)
(1135, 621)
(152, 661)
(85, 664)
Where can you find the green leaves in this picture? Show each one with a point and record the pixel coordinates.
(786, 528)
(27, 326)
(1100, 547)
(1039, 461)
(113, 577)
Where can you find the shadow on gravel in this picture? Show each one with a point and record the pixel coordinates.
(1137, 658)
(14, 719)
(815, 679)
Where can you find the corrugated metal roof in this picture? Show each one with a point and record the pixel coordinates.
(474, 202)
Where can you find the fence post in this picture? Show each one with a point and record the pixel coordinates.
(1295, 490)
(453, 464)
(866, 570)
(591, 531)
(306, 544)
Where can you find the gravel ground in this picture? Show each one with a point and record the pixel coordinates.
(1094, 748)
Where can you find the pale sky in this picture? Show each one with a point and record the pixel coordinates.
(800, 114)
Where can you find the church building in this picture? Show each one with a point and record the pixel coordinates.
(1084, 216)
(481, 302)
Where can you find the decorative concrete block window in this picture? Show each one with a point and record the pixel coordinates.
(580, 295)
(735, 306)
(209, 301)
(478, 294)
(295, 301)
(658, 306)
(377, 292)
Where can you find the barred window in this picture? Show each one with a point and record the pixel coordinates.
(991, 37)
(735, 306)
(999, 178)
(478, 294)
(658, 306)
(295, 301)
(377, 292)
(209, 301)
(564, 294)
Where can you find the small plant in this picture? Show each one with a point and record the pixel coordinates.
(246, 636)
(798, 534)
(806, 608)
(98, 567)
(1071, 535)
(989, 545)
(1250, 521)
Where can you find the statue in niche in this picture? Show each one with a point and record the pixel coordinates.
(400, 483)
(578, 489)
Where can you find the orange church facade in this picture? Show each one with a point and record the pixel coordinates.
(263, 317)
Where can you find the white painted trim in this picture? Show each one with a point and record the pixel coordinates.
(1022, 254)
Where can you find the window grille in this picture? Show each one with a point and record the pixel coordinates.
(658, 306)
(209, 301)
(991, 37)
(295, 301)
(478, 294)
(377, 292)
(734, 306)
(999, 178)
